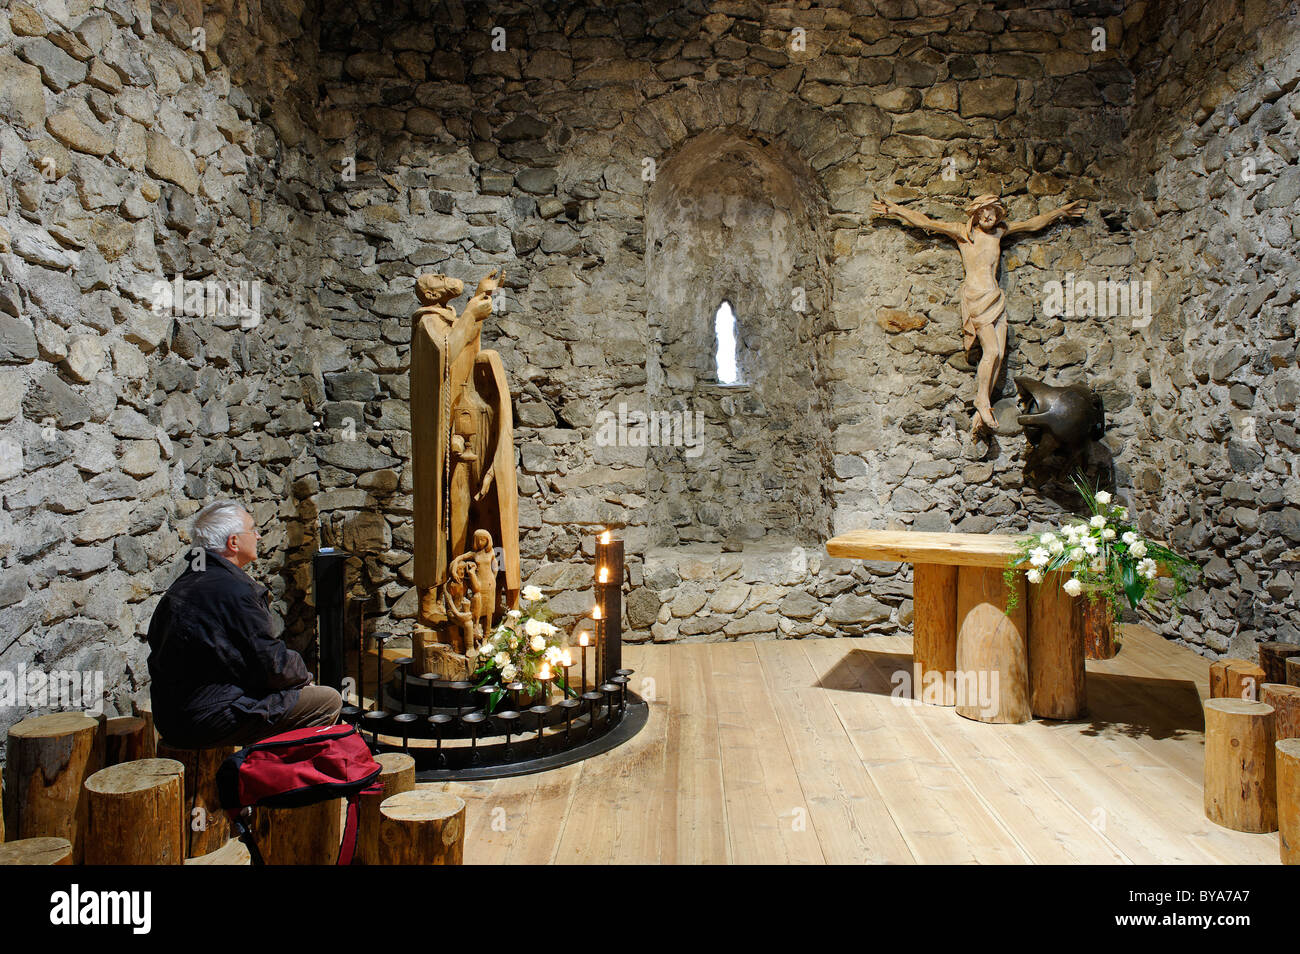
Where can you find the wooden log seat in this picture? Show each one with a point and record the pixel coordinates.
(1272, 659)
(1285, 701)
(422, 827)
(306, 835)
(49, 758)
(36, 851)
(1287, 753)
(134, 814)
(207, 827)
(1240, 777)
(396, 775)
(1232, 678)
(233, 852)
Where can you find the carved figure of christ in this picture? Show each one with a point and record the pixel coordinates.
(983, 304)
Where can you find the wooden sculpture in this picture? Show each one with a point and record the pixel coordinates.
(983, 305)
(466, 496)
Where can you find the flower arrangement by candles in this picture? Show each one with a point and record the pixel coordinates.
(525, 647)
(1103, 555)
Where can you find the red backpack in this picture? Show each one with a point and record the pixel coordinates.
(301, 767)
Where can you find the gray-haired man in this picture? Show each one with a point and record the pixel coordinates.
(219, 674)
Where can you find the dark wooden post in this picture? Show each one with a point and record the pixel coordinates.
(609, 597)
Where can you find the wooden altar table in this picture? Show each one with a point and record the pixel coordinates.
(962, 634)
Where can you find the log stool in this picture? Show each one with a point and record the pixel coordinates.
(1285, 701)
(306, 835)
(134, 814)
(49, 759)
(1293, 671)
(1240, 784)
(1288, 799)
(150, 733)
(124, 740)
(36, 851)
(992, 648)
(207, 826)
(934, 633)
(396, 775)
(1057, 674)
(422, 827)
(1232, 678)
(233, 852)
(1272, 659)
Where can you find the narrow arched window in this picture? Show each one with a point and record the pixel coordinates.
(724, 326)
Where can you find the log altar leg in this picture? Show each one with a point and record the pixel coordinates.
(396, 775)
(1057, 684)
(307, 835)
(934, 633)
(1273, 657)
(36, 851)
(1235, 679)
(1288, 799)
(992, 648)
(1285, 701)
(1240, 782)
(134, 814)
(49, 759)
(207, 827)
(1098, 623)
(422, 828)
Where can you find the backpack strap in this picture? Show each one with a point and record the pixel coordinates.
(348, 849)
(245, 834)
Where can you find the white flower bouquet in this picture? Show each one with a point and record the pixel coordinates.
(1103, 555)
(525, 644)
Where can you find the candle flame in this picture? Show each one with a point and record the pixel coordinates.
(545, 672)
(595, 613)
(604, 574)
(582, 640)
(566, 658)
(605, 537)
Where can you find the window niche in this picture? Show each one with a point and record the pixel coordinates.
(734, 247)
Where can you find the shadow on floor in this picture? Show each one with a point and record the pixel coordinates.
(1118, 704)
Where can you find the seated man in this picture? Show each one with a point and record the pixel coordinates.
(219, 676)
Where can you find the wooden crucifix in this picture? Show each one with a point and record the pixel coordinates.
(983, 305)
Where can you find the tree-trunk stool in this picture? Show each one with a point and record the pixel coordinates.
(207, 826)
(1232, 678)
(1240, 774)
(36, 851)
(134, 814)
(422, 827)
(49, 758)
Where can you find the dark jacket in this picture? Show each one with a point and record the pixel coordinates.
(215, 666)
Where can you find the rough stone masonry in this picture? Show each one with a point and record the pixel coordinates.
(632, 166)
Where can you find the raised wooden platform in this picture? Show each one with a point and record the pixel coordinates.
(793, 751)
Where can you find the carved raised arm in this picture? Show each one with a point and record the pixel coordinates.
(884, 207)
(1071, 210)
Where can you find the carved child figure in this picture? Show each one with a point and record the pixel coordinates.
(485, 580)
(458, 602)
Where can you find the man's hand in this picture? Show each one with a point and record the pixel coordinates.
(487, 485)
(479, 307)
(490, 283)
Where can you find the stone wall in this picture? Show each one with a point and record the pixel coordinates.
(334, 151)
(1213, 187)
(535, 155)
(134, 150)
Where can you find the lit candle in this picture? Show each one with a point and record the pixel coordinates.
(583, 640)
(545, 672)
(566, 658)
(604, 575)
(595, 614)
(605, 537)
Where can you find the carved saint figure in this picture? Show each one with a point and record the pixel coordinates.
(485, 577)
(462, 450)
(983, 305)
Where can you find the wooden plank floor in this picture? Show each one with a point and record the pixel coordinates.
(795, 752)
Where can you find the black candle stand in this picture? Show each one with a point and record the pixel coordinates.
(445, 726)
